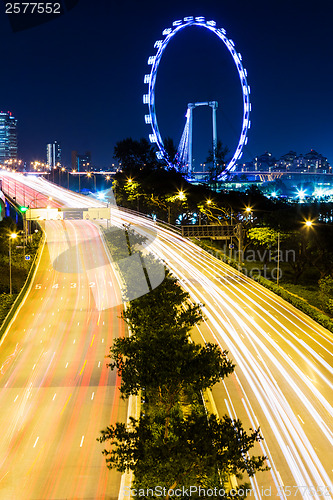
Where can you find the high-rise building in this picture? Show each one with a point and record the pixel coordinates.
(53, 154)
(81, 163)
(8, 137)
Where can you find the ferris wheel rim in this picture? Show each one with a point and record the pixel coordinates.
(150, 79)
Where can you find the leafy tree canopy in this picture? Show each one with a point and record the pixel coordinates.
(167, 364)
(264, 236)
(135, 155)
(204, 451)
(162, 308)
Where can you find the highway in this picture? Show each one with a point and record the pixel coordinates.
(56, 391)
(284, 363)
(284, 366)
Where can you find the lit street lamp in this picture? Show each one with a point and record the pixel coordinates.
(11, 237)
(181, 195)
(248, 211)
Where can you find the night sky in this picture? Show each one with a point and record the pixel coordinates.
(79, 79)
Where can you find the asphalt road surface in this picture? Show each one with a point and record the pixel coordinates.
(56, 390)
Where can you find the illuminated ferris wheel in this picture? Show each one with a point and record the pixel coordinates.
(184, 150)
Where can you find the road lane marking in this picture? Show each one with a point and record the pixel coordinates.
(92, 341)
(4, 476)
(301, 419)
(15, 398)
(102, 341)
(34, 366)
(99, 364)
(69, 397)
(84, 364)
(54, 397)
(92, 396)
(74, 341)
(66, 364)
(81, 442)
(279, 477)
(33, 464)
(36, 442)
(78, 323)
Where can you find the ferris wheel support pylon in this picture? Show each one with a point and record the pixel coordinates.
(150, 80)
(190, 107)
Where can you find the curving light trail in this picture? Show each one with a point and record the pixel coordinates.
(284, 363)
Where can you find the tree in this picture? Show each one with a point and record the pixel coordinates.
(159, 355)
(297, 241)
(215, 170)
(170, 148)
(196, 452)
(326, 293)
(320, 240)
(263, 236)
(167, 365)
(145, 314)
(213, 213)
(135, 155)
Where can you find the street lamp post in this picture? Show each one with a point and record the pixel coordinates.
(278, 259)
(63, 169)
(78, 173)
(89, 174)
(11, 237)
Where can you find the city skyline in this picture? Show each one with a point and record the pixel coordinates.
(8, 136)
(85, 88)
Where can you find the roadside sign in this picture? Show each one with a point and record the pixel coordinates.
(27, 257)
(231, 246)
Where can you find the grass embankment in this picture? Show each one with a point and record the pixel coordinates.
(20, 271)
(304, 297)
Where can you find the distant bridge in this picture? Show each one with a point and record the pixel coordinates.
(276, 174)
